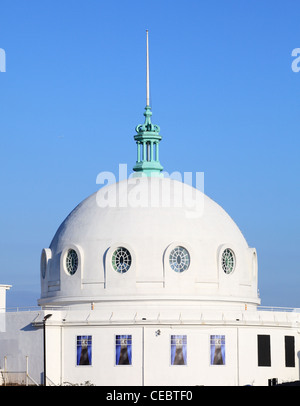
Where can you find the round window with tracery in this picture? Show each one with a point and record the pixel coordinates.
(121, 260)
(179, 259)
(228, 261)
(43, 264)
(71, 261)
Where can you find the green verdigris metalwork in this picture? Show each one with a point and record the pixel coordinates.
(147, 140)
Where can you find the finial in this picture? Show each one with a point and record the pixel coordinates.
(147, 74)
(148, 137)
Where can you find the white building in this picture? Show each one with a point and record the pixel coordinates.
(150, 282)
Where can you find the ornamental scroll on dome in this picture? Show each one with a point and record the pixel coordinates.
(147, 126)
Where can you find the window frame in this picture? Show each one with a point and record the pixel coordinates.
(46, 255)
(127, 252)
(89, 337)
(231, 251)
(223, 345)
(80, 257)
(182, 249)
(178, 337)
(115, 350)
(264, 358)
(289, 355)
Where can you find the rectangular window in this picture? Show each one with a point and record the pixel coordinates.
(264, 350)
(289, 342)
(84, 350)
(123, 350)
(178, 349)
(217, 350)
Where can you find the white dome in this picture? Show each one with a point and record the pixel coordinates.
(149, 217)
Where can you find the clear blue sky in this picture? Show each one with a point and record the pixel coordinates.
(222, 91)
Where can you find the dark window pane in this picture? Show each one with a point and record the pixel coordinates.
(289, 351)
(264, 350)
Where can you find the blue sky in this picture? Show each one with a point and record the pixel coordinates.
(222, 91)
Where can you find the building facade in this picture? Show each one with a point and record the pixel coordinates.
(150, 295)
(150, 282)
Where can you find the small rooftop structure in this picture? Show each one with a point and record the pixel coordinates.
(3, 289)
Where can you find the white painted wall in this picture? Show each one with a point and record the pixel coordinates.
(250, 373)
(151, 355)
(21, 339)
(150, 351)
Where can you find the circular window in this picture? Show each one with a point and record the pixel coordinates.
(228, 261)
(179, 259)
(43, 264)
(121, 260)
(71, 261)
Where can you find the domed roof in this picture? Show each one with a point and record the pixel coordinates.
(149, 239)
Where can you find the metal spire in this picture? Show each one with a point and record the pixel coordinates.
(147, 74)
(148, 137)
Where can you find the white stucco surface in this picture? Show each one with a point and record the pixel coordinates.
(149, 217)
